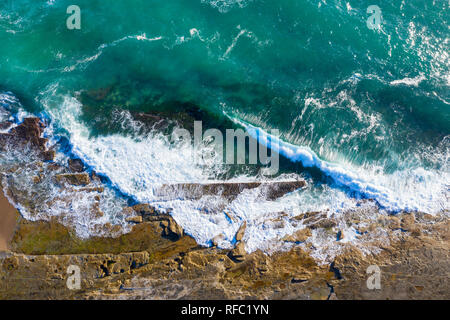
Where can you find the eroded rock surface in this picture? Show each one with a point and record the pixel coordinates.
(412, 267)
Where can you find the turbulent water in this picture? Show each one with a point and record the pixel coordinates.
(362, 113)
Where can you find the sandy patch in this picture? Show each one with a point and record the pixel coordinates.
(8, 219)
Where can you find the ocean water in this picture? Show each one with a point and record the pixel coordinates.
(363, 114)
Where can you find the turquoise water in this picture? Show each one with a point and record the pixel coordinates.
(370, 106)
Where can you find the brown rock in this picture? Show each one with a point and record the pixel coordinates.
(136, 219)
(411, 268)
(28, 133)
(128, 212)
(144, 209)
(76, 165)
(271, 190)
(98, 213)
(416, 231)
(165, 224)
(241, 231)
(238, 253)
(75, 179)
(171, 229)
(95, 177)
(54, 167)
(408, 221)
(93, 189)
(48, 155)
(307, 215)
(5, 125)
(299, 236)
(175, 228)
(394, 223)
(30, 130)
(324, 223)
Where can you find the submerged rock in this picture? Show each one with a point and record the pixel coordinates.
(271, 190)
(76, 165)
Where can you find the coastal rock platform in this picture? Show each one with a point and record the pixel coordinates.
(155, 259)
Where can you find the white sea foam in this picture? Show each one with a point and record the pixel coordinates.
(415, 189)
(226, 5)
(409, 81)
(138, 165)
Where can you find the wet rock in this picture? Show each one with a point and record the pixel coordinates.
(238, 253)
(324, 223)
(229, 190)
(76, 165)
(144, 210)
(241, 231)
(95, 210)
(128, 212)
(406, 264)
(394, 223)
(416, 231)
(310, 218)
(136, 219)
(28, 133)
(92, 189)
(408, 221)
(277, 190)
(5, 125)
(95, 177)
(36, 179)
(175, 228)
(75, 179)
(30, 130)
(48, 155)
(55, 167)
(299, 236)
(171, 229)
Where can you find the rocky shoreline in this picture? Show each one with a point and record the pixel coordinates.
(412, 267)
(155, 259)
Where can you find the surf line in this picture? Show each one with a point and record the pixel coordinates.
(309, 159)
